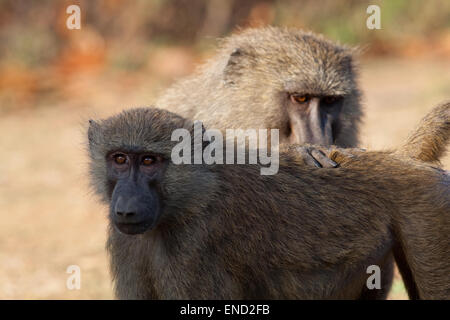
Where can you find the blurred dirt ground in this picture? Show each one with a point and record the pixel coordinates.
(50, 218)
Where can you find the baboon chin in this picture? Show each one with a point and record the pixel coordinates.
(227, 232)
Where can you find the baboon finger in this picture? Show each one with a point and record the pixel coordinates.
(307, 157)
(322, 158)
(341, 155)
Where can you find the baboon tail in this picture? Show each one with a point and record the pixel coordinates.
(429, 141)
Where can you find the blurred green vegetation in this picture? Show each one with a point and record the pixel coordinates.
(38, 53)
(33, 32)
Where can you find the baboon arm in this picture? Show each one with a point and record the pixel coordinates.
(426, 247)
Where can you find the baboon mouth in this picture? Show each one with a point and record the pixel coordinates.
(133, 228)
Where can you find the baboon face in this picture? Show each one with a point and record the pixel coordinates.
(127, 171)
(133, 178)
(313, 119)
(297, 82)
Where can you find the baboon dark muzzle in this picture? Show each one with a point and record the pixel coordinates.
(134, 210)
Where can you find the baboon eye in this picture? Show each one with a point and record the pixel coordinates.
(300, 98)
(120, 159)
(330, 99)
(148, 160)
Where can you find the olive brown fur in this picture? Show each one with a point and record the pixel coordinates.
(252, 81)
(247, 84)
(227, 232)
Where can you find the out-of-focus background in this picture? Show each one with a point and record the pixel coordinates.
(53, 79)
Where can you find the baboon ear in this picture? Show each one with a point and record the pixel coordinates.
(204, 143)
(348, 61)
(197, 133)
(94, 132)
(188, 124)
(235, 65)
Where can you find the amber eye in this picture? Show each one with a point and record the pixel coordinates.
(148, 160)
(300, 98)
(120, 159)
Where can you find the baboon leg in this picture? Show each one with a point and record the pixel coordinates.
(387, 274)
(405, 272)
(425, 243)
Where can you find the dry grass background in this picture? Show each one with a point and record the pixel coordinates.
(51, 220)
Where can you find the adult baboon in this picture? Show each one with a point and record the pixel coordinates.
(225, 231)
(286, 79)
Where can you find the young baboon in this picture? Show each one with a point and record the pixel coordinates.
(280, 78)
(203, 232)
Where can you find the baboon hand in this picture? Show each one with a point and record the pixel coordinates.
(316, 156)
(325, 157)
(340, 155)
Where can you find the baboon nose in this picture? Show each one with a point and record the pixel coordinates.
(125, 208)
(125, 214)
